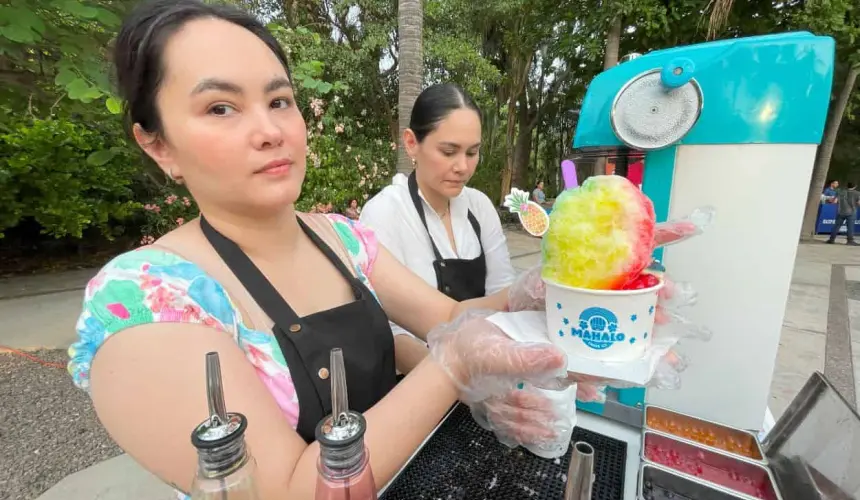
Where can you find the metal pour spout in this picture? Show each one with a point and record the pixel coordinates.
(339, 398)
(580, 475)
(215, 389)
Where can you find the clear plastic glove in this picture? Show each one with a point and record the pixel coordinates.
(526, 417)
(484, 362)
(528, 292)
(678, 230)
(669, 322)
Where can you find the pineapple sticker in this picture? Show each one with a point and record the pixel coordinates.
(532, 216)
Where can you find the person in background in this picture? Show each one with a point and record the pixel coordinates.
(444, 231)
(830, 192)
(352, 211)
(538, 194)
(848, 200)
(209, 97)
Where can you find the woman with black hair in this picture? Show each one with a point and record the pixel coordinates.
(444, 231)
(352, 211)
(209, 97)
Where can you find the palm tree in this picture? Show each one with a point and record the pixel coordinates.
(610, 59)
(410, 22)
(720, 10)
(825, 152)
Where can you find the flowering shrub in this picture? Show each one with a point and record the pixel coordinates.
(343, 162)
(350, 156)
(165, 214)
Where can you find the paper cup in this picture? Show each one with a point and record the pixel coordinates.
(604, 325)
(557, 447)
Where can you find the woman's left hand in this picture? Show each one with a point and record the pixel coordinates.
(669, 323)
(524, 417)
(528, 292)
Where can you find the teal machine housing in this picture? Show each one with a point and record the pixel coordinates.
(772, 89)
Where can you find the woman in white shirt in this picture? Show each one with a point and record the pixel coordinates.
(446, 232)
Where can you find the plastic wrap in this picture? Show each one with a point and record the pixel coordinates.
(484, 362)
(517, 390)
(540, 420)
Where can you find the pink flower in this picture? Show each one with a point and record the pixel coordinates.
(147, 240)
(170, 199)
(186, 201)
(281, 388)
(338, 129)
(118, 310)
(180, 221)
(320, 126)
(394, 146)
(161, 298)
(317, 107)
(170, 315)
(148, 281)
(191, 313)
(258, 357)
(156, 209)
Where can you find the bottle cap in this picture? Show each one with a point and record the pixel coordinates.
(342, 442)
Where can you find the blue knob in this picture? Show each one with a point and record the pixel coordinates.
(677, 72)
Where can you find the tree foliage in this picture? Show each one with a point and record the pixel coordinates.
(526, 62)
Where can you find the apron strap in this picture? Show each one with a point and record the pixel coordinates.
(476, 227)
(332, 256)
(254, 281)
(419, 207)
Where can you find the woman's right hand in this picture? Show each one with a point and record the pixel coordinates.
(669, 324)
(483, 362)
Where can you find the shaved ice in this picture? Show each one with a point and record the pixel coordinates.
(601, 235)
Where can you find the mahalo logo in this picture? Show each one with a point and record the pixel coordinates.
(598, 328)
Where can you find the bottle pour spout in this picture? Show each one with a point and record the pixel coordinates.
(339, 397)
(215, 389)
(580, 475)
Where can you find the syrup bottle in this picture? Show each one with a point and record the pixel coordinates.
(226, 470)
(344, 463)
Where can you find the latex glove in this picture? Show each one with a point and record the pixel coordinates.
(484, 362)
(528, 292)
(669, 322)
(525, 417)
(678, 230)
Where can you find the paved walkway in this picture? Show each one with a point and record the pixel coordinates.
(817, 335)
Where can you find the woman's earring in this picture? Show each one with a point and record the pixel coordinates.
(414, 163)
(173, 178)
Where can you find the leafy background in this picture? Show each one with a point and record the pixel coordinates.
(73, 189)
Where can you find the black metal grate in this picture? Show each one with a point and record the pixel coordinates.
(463, 461)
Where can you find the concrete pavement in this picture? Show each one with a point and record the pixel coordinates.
(817, 334)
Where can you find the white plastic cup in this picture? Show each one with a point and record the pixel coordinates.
(557, 447)
(604, 325)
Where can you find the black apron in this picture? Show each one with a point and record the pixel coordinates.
(360, 328)
(460, 279)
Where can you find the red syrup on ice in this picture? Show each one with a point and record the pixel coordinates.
(694, 463)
